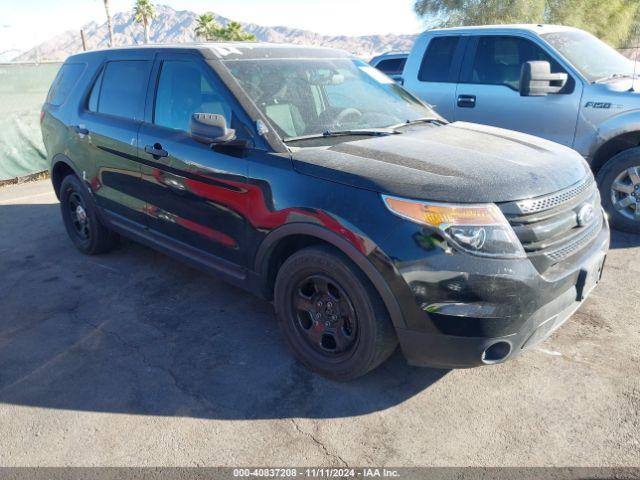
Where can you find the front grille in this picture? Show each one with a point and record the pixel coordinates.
(549, 227)
(546, 202)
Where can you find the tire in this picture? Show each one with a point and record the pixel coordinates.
(80, 218)
(619, 181)
(341, 331)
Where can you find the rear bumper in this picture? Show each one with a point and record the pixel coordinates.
(539, 306)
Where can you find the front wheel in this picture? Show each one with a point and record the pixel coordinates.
(619, 183)
(331, 316)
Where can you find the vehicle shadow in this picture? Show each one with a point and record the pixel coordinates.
(624, 240)
(136, 332)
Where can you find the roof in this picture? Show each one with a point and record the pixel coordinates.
(537, 29)
(239, 50)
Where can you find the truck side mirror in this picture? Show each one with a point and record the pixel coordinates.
(210, 128)
(536, 79)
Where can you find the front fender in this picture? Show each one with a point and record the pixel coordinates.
(596, 131)
(364, 258)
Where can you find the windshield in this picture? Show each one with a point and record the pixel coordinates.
(592, 57)
(302, 97)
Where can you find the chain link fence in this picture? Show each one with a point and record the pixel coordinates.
(23, 88)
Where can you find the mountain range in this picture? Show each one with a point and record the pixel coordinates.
(177, 26)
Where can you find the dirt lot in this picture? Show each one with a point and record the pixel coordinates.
(132, 358)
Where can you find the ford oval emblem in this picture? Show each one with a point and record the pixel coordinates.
(585, 215)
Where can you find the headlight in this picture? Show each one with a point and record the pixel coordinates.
(480, 229)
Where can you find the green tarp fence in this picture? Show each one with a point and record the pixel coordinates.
(23, 88)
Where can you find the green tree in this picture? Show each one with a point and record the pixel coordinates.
(233, 32)
(614, 21)
(206, 26)
(210, 30)
(143, 12)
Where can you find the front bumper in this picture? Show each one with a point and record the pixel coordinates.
(488, 311)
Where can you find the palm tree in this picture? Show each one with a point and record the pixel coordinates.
(109, 24)
(144, 12)
(233, 32)
(206, 26)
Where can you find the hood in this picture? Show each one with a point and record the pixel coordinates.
(457, 162)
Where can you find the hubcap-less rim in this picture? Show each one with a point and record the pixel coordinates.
(325, 316)
(79, 217)
(625, 193)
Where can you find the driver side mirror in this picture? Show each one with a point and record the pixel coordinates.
(536, 79)
(210, 128)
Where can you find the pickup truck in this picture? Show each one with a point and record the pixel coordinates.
(555, 82)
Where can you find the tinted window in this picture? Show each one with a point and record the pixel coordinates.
(437, 60)
(124, 85)
(392, 65)
(184, 89)
(498, 60)
(63, 83)
(95, 93)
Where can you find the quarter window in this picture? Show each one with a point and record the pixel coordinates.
(437, 61)
(63, 83)
(184, 89)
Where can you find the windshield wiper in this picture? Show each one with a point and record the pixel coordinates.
(341, 133)
(613, 76)
(416, 121)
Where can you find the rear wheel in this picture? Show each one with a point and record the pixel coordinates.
(80, 218)
(332, 317)
(619, 182)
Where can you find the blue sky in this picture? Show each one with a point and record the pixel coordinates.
(25, 23)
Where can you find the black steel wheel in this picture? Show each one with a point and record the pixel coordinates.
(331, 316)
(80, 218)
(325, 316)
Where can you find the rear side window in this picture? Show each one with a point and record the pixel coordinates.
(437, 60)
(65, 80)
(392, 65)
(121, 88)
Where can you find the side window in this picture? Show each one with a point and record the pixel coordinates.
(184, 89)
(95, 93)
(498, 60)
(63, 83)
(436, 64)
(392, 65)
(121, 89)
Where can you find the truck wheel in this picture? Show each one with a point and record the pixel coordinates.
(84, 228)
(331, 316)
(619, 183)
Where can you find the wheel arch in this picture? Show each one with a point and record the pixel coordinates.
(286, 240)
(613, 146)
(61, 166)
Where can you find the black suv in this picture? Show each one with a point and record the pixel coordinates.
(308, 177)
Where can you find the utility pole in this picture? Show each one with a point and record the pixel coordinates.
(84, 41)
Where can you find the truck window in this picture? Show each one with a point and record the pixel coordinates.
(437, 60)
(392, 65)
(121, 88)
(498, 60)
(183, 89)
(63, 83)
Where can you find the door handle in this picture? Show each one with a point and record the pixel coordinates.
(156, 151)
(466, 101)
(80, 130)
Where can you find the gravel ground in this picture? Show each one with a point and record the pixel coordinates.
(132, 358)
